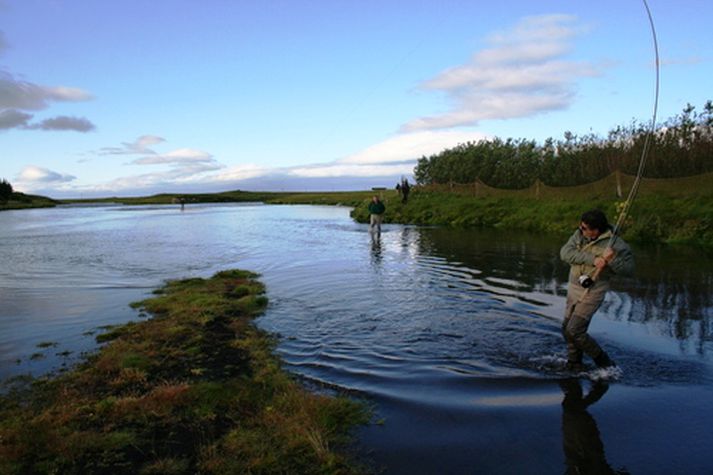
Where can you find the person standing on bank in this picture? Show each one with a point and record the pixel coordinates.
(376, 211)
(593, 261)
(405, 188)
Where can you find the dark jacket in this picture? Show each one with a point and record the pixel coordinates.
(376, 208)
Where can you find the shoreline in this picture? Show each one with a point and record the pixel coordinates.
(665, 211)
(196, 387)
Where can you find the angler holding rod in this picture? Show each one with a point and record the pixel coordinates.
(595, 252)
(594, 255)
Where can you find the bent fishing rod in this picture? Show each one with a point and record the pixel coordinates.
(588, 281)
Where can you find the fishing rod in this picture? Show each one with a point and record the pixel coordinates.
(647, 142)
(589, 281)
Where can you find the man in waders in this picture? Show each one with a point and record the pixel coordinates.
(593, 261)
(376, 210)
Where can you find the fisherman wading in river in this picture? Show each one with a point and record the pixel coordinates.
(594, 256)
(376, 212)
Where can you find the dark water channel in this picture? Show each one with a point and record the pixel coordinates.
(453, 336)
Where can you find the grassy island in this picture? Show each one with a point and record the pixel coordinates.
(195, 389)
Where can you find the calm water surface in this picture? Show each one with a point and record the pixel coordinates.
(453, 336)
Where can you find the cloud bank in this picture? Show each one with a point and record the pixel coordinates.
(185, 170)
(18, 96)
(523, 72)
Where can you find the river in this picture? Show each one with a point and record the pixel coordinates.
(452, 336)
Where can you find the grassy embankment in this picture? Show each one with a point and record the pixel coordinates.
(22, 201)
(194, 389)
(665, 211)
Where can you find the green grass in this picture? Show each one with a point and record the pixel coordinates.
(22, 201)
(665, 211)
(195, 389)
(347, 198)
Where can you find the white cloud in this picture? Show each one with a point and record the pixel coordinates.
(523, 73)
(145, 141)
(411, 146)
(342, 170)
(394, 156)
(33, 176)
(67, 94)
(686, 61)
(139, 146)
(179, 156)
(538, 28)
(243, 172)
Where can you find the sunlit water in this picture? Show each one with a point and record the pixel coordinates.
(454, 336)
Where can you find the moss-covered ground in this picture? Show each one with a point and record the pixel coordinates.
(195, 389)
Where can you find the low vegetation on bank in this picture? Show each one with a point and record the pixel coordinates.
(345, 198)
(22, 201)
(670, 211)
(195, 389)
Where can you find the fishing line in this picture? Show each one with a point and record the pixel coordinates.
(589, 280)
(647, 142)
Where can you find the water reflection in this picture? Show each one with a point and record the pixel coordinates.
(376, 255)
(582, 443)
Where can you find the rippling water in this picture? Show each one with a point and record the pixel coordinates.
(453, 335)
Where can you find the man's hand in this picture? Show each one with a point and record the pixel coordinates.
(608, 254)
(606, 257)
(600, 263)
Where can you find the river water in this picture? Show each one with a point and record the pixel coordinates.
(452, 336)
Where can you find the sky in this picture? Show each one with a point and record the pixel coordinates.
(133, 97)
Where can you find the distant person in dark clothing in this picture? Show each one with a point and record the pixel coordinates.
(593, 261)
(404, 190)
(376, 212)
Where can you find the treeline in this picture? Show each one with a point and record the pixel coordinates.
(681, 146)
(5, 191)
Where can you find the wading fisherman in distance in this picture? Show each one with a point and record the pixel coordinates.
(376, 210)
(593, 261)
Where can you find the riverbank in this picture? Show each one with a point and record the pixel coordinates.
(196, 388)
(670, 211)
(22, 201)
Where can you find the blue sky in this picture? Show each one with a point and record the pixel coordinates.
(120, 98)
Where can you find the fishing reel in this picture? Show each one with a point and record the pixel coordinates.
(585, 281)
